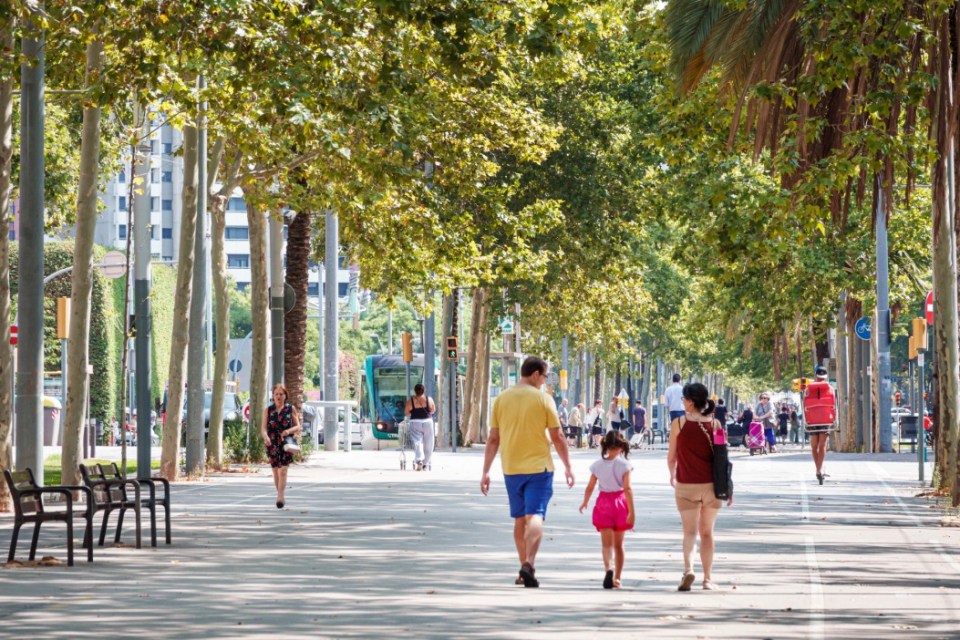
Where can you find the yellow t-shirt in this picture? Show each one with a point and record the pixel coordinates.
(522, 414)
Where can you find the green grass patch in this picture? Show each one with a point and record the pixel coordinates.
(51, 468)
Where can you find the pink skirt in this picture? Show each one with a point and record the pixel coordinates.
(610, 512)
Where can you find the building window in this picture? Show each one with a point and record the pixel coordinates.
(167, 233)
(242, 286)
(313, 289)
(237, 233)
(122, 232)
(168, 205)
(236, 204)
(122, 203)
(167, 148)
(122, 177)
(153, 232)
(154, 175)
(154, 145)
(342, 289)
(341, 262)
(154, 203)
(238, 260)
(167, 176)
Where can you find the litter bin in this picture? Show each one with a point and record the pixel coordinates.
(52, 410)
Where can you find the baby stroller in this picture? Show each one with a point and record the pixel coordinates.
(755, 440)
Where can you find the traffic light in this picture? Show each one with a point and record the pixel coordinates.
(799, 384)
(63, 318)
(920, 333)
(898, 397)
(451, 348)
(406, 339)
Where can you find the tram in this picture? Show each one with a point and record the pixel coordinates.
(383, 384)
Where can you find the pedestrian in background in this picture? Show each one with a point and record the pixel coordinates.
(420, 409)
(639, 424)
(720, 413)
(764, 414)
(595, 422)
(614, 415)
(524, 421)
(613, 513)
(575, 425)
(690, 461)
(279, 421)
(674, 397)
(783, 423)
(795, 434)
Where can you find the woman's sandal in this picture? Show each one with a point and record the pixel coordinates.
(708, 585)
(686, 581)
(608, 579)
(616, 583)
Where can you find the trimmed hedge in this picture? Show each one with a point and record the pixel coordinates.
(106, 324)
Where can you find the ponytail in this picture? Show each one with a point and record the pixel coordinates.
(708, 409)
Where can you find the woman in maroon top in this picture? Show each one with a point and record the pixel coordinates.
(690, 460)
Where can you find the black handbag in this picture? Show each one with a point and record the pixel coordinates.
(722, 467)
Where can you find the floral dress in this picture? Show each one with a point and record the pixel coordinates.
(278, 422)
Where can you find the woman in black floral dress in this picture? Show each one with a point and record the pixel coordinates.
(277, 424)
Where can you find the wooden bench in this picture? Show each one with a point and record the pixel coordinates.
(150, 501)
(28, 505)
(111, 494)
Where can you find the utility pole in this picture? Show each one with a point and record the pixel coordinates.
(29, 379)
(332, 334)
(141, 297)
(884, 419)
(196, 352)
(276, 298)
(564, 366)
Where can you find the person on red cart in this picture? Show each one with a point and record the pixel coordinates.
(820, 409)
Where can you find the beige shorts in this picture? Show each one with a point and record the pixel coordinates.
(695, 496)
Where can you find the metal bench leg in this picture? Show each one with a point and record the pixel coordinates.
(13, 541)
(116, 538)
(153, 524)
(36, 539)
(166, 512)
(69, 540)
(136, 516)
(88, 535)
(103, 527)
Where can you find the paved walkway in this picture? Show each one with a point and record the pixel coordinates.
(364, 550)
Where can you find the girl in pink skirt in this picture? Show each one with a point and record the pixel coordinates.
(613, 513)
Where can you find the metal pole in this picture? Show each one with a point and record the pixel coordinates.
(429, 353)
(390, 330)
(141, 301)
(453, 405)
(276, 298)
(884, 419)
(197, 349)
(921, 433)
(331, 337)
(320, 328)
(565, 365)
(29, 405)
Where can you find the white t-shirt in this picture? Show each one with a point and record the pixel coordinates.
(674, 394)
(610, 473)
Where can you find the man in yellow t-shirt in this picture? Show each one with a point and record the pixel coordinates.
(521, 420)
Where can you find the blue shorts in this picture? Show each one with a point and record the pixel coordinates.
(529, 493)
(677, 414)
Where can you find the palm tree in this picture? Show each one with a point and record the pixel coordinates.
(295, 321)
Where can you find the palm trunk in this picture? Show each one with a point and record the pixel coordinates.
(295, 322)
(169, 467)
(6, 353)
(259, 316)
(82, 278)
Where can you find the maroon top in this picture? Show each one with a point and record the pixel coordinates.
(695, 452)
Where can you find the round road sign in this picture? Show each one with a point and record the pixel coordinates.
(246, 412)
(113, 265)
(929, 308)
(862, 328)
(13, 334)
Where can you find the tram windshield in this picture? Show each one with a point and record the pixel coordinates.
(391, 390)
